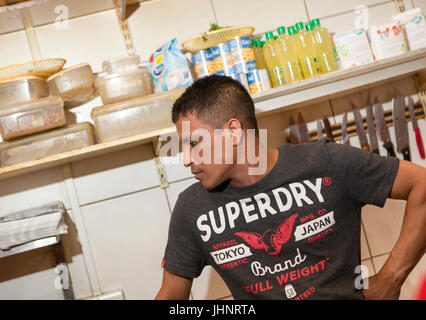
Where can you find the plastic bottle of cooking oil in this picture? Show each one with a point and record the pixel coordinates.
(295, 40)
(258, 52)
(310, 37)
(305, 52)
(270, 52)
(288, 58)
(323, 39)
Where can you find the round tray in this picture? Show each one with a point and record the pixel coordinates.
(213, 38)
(39, 68)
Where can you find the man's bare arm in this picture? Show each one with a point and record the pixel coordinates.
(174, 287)
(410, 185)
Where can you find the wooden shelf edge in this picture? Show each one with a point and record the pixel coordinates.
(83, 153)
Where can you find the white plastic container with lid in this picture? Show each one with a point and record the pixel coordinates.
(32, 117)
(132, 117)
(121, 64)
(71, 137)
(353, 48)
(76, 85)
(22, 90)
(387, 40)
(125, 85)
(413, 22)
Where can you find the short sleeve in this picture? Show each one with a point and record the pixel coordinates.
(368, 177)
(182, 255)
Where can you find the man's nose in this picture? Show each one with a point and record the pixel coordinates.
(187, 161)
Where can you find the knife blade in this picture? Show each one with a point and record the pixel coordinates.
(319, 129)
(345, 137)
(303, 129)
(327, 128)
(416, 128)
(374, 145)
(400, 124)
(383, 129)
(360, 129)
(294, 134)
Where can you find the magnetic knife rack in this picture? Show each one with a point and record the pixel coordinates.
(351, 126)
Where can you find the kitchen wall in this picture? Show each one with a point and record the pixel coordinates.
(118, 213)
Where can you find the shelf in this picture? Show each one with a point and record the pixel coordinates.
(266, 102)
(43, 11)
(340, 81)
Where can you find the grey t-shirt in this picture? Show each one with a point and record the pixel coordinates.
(294, 234)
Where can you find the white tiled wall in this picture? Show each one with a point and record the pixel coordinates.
(125, 213)
(88, 39)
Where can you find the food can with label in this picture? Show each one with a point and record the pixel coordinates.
(258, 81)
(242, 53)
(241, 78)
(222, 61)
(201, 63)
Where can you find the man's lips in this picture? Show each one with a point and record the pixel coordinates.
(196, 173)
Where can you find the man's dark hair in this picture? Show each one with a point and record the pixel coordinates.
(216, 99)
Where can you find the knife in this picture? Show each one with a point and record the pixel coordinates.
(303, 129)
(327, 128)
(400, 124)
(319, 129)
(383, 129)
(416, 128)
(374, 145)
(345, 137)
(360, 129)
(294, 134)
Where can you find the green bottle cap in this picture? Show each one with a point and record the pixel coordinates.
(299, 26)
(275, 37)
(263, 43)
(309, 26)
(269, 35)
(291, 30)
(281, 30)
(316, 23)
(253, 42)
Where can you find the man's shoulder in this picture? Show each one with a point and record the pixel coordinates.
(192, 192)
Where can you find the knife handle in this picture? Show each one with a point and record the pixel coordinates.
(419, 142)
(376, 151)
(389, 147)
(365, 147)
(406, 154)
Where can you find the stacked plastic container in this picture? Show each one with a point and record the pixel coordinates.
(32, 122)
(236, 59)
(129, 108)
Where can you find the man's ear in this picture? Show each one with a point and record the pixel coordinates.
(235, 128)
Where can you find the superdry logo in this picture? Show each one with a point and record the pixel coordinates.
(231, 254)
(258, 206)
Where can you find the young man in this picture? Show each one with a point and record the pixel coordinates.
(293, 230)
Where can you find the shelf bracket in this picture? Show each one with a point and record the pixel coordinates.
(399, 5)
(30, 32)
(120, 9)
(161, 172)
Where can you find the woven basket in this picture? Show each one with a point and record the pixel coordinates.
(39, 68)
(213, 38)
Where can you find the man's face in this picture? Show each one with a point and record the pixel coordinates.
(199, 152)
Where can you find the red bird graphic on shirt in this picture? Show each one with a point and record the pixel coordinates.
(271, 240)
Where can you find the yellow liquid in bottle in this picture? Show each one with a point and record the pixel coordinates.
(288, 58)
(313, 52)
(276, 72)
(327, 57)
(260, 58)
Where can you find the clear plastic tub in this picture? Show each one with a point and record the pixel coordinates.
(32, 117)
(121, 64)
(123, 86)
(132, 117)
(72, 137)
(75, 85)
(22, 90)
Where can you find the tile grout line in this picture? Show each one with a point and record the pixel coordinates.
(214, 11)
(368, 244)
(307, 11)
